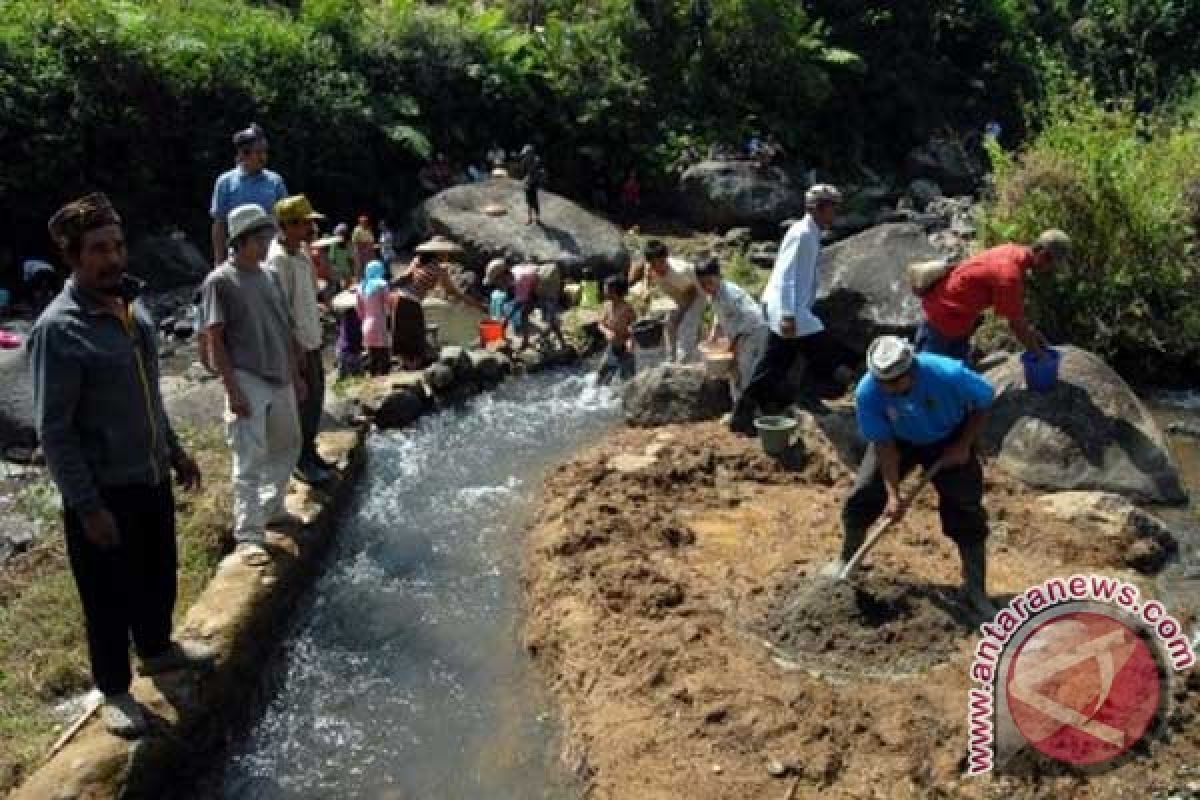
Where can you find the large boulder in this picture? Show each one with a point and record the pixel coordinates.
(864, 289)
(567, 232)
(947, 163)
(670, 393)
(16, 400)
(718, 195)
(1115, 531)
(167, 262)
(1088, 432)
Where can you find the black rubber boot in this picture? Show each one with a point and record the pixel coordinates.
(974, 570)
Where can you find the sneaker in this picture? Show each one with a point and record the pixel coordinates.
(253, 554)
(122, 716)
(179, 655)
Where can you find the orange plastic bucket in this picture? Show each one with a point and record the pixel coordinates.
(491, 330)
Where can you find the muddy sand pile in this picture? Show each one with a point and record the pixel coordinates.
(865, 624)
(662, 581)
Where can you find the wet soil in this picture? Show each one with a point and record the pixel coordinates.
(662, 580)
(865, 625)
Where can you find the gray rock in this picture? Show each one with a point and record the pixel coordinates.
(737, 237)
(718, 195)
(923, 193)
(400, 407)
(864, 289)
(567, 233)
(945, 162)
(671, 393)
(486, 366)
(167, 262)
(851, 223)
(439, 377)
(16, 400)
(1089, 432)
(763, 254)
(1144, 541)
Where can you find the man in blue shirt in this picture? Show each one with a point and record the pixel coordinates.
(248, 182)
(929, 410)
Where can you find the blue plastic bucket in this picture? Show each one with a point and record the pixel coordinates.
(1041, 374)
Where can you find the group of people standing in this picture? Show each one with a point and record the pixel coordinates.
(111, 448)
(919, 403)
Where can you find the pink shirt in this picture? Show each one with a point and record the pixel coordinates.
(373, 311)
(525, 278)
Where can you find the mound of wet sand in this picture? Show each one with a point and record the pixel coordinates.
(864, 625)
(661, 561)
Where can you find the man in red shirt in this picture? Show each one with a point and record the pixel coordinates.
(993, 279)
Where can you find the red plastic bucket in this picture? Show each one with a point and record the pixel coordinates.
(491, 330)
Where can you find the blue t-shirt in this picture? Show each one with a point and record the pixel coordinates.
(235, 188)
(944, 393)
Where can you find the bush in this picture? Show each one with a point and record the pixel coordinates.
(1119, 183)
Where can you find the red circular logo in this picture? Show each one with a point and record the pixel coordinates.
(1083, 688)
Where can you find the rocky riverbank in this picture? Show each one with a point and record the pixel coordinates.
(659, 577)
(240, 612)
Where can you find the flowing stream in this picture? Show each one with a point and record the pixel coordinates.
(403, 675)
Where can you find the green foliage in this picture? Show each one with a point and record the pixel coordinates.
(1121, 185)
(1141, 49)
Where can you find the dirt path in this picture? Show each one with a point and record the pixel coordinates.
(663, 560)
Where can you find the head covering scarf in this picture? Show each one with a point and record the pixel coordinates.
(373, 278)
(76, 218)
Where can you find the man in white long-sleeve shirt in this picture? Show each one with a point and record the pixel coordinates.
(791, 291)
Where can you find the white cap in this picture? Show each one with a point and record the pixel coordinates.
(495, 268)
(247, 218)
(889, 357)
(821, 193)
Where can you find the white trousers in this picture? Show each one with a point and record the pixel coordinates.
(266, 447)
(683, 331)
(751, 348)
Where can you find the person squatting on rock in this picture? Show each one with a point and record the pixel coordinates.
(428, 270)
(616, 323)
(922, 409)
(110, 448)
(253, 353)
(994, 278)
(788, 300)
(737, 317)
(374, 303)
(289, 259)
(677, 279)
(531, 287)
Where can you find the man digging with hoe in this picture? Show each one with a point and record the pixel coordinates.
(921, 408)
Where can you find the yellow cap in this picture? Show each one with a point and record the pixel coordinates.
(295, 209)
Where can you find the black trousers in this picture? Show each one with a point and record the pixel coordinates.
(960, 494)
(129, 589)
(768, 384)
(310, 408)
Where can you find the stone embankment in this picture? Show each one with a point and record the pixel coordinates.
(244, 608)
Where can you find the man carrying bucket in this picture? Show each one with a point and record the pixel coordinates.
(740, 319)
(928, 410)
(677, 279)
(994, 278)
